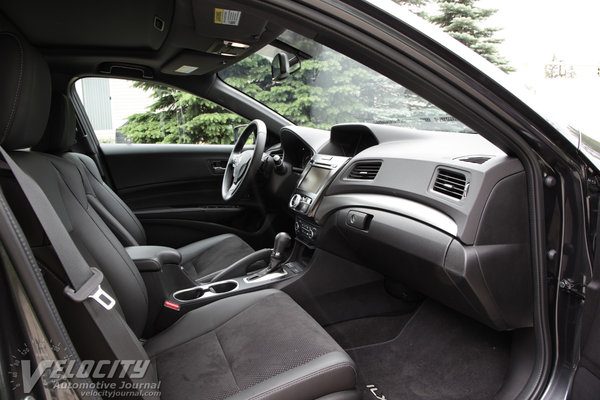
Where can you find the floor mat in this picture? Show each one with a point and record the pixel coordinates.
(439, 354)
(366, 331)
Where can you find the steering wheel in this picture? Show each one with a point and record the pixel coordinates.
(243, 165)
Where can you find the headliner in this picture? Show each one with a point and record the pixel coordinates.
(162, 35)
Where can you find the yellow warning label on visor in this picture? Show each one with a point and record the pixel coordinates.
(227, 17)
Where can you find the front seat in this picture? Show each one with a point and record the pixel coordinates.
(199, 259)
(258, 345)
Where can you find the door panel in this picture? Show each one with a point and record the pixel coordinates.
(138, 167)
(175, 190)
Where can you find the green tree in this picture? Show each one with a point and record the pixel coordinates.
(322, 93)
(328, 89)
(462, 19)
(414, 6)
(180, 117)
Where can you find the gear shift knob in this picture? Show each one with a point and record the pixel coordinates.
(282, 242)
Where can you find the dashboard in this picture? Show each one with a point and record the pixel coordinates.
(443, 213)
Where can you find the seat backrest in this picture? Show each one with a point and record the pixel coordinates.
(58, 139)
(24, 108)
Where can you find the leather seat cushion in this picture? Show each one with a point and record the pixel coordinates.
(255, 345)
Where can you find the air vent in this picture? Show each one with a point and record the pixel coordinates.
(475, 159)
(450, 183)
(366, 171)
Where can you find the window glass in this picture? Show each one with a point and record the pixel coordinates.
(124, 111)
(328, 88)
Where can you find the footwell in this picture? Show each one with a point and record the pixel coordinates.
(437, 354)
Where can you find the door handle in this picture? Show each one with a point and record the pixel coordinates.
(218, 166)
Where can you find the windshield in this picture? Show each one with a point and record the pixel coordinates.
(330, 88)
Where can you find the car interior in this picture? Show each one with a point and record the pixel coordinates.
(365, 260)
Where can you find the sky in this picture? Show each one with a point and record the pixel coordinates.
(536, 30)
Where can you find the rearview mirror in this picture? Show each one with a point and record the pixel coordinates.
(280, 67)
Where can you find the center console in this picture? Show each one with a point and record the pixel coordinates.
(317, 175)
(172, 292)
(313, 182)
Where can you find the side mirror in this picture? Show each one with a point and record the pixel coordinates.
(237, 130)
(280, 67)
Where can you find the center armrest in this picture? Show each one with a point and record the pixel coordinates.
(152, 258)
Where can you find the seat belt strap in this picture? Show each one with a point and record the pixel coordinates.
(85, 280)
(80, 274)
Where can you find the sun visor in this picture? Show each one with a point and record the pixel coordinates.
(227, 20)
(224, 32)
(190, 62)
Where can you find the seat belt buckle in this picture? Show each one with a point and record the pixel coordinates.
(92, 289)
(103, 298)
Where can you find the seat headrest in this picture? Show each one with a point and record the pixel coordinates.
(25, 94)
(59, 136)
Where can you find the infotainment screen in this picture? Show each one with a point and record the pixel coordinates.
(314, 179)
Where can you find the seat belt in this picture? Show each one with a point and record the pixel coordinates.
(86, 281)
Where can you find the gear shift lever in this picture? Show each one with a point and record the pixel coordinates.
(282, 242)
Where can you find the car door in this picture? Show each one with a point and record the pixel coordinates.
(164, 151)
(580, 292)
(586, 383)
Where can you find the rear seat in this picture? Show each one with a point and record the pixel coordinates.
(255, 345)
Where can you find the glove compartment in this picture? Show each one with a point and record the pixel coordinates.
(488, 283)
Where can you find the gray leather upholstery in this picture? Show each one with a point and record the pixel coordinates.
(57, 121)
(25, 86)
(256, 345)
(123, 223)
(199, 259)
(61, 183)
(152, 258)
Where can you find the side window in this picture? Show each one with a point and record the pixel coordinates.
(124, 111)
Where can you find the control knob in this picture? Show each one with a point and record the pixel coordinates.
(295, 200)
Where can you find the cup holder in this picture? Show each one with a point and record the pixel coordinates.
(224, 287)
(209, 290)
(189, 294)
